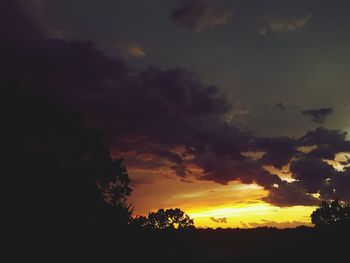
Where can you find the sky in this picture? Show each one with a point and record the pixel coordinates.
(234, 111)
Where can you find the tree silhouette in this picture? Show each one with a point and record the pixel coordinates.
(114, 192)
(165, 219)
(62, 169)
(333, 214)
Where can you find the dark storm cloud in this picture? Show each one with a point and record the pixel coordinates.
(311, 173)
(219, 220)
(152, 111)
(222, 138)
(318, 115)
(167, 116)
(338, 186)
(328, 142)
(289, 194)
(149, 163)
(278, 150)
(197, 15)
(322, 136)
(172, 157)
(223, 170)
(268, 180)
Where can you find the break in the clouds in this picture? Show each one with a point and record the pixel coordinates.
(168, 120)
(318, 116)
(131, 49)
(219, 220)
(278, 24)
(196, 15)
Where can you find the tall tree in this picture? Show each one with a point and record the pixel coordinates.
(63, 171)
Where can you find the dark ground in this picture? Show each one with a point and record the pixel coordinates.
(201, 245)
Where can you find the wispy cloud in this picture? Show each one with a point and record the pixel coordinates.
(219, 220)
(130, 49)
(196, 15)
(274, 24)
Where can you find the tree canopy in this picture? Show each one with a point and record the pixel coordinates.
(62, 170)
(333, 214)
(165, 219)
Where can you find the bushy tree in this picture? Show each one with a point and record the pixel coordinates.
(165, 219)
(62, 170)
(333, 214)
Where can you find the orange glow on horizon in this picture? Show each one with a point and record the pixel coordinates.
(235, 204)
(252, 215)
(240, 204)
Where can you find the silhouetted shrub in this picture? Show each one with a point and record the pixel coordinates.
(165, 219)
(333, 214)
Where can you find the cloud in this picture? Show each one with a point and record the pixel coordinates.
(196, 15)
(328, 142)
(164, 120)
(275, 24)
(289, 194)
(318, 115)
(244, 225)
(278, 150)
(136, 182)
(337, 187)
(186, 181)
(223, 170)
(173, 157)
(132, 50)
(311, 172)
(321, 136)
(219, 220)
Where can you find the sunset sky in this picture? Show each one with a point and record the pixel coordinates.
(235, 111)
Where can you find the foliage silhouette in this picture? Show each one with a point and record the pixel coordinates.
(60, 167)
(165, 219)
(333, 214)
